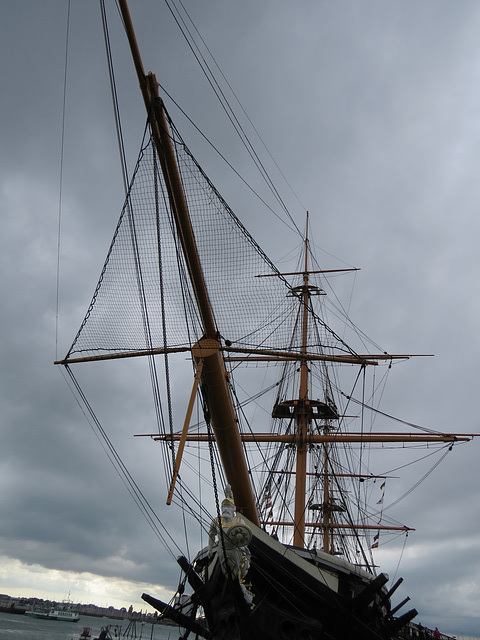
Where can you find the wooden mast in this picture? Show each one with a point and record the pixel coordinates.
(301, 417)
(214, 377)
(326, 498)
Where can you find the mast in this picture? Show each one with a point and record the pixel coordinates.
(301, 416)
(302, 413)
(214, 375)
(326, 499)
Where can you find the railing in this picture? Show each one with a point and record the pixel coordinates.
(417, 632)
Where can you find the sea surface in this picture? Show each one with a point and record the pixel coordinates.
(18, 627)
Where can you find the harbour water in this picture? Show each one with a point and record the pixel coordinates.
(18, 627)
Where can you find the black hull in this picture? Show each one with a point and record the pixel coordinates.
(297, 595)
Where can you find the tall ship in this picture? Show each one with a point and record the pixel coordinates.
(288, 500)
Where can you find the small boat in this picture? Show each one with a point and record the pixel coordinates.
(54, 613)
(63, 615)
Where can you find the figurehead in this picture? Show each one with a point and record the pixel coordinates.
(228, 539)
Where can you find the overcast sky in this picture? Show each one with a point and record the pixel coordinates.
(372, 111)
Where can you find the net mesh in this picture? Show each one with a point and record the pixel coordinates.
(144, 300)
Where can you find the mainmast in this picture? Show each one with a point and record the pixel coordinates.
(206, 352)
(301, 416)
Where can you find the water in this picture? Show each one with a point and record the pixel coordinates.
(17, 627)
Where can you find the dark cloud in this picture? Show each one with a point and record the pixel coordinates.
(371, 111)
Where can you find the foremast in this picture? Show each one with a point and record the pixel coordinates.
(207, 351)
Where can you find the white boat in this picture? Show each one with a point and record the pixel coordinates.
(54, 613)
(66, 615)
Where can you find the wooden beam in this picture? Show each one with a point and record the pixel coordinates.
(319, 439)
(339, 525)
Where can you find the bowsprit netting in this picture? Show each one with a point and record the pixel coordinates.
(144, 300)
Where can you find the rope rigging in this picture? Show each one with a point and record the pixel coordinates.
(161, 317)
(142, 293)
(223, 100)
(150, 219)
(132, 487)
(115, 103)
(60, 186)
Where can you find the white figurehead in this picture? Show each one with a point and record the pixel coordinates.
(230, 539)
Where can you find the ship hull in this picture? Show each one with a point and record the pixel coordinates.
(289, 594)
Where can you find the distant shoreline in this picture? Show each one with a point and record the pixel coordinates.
(18, 606)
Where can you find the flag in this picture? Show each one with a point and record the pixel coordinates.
(380, 501)
(382, 486)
